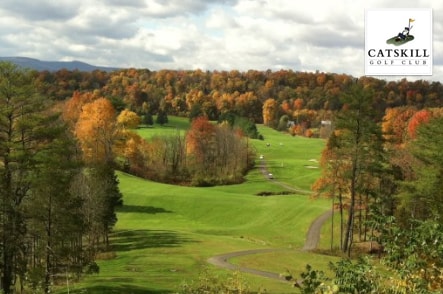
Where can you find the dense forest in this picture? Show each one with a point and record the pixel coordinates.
(57, 204)
(303, 96)
(64, 133)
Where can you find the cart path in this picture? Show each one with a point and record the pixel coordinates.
(311, 242)
(313, 235)
(264, 170)
(312, 239)
(222, 261)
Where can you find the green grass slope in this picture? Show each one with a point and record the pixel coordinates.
(174, 124)
(165, 233)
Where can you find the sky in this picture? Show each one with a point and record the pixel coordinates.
(308, 35)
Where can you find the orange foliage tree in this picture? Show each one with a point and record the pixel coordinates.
(286, 107)
(199, 137)
(298, 103)
(248, 105)
(73, 106)
(131, 152)
(395, 123)
(331, 183)
(95, 130)
(270, 108)
(216, 154)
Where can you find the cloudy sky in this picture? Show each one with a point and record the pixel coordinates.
(324, 35)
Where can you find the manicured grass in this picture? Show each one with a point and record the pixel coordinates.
(295, 262)
(166, 233)
(175, 124)
(293, 160)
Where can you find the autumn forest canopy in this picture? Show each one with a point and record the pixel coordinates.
(64, 133)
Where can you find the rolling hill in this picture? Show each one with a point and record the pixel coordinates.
(41, 65)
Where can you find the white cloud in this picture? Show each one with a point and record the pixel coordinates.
(219, 18)
(219, 34)
(29, 10)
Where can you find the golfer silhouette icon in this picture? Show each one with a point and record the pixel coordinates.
(403, 37)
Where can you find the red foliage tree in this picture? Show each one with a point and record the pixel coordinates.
(419, 118)
(199, 136)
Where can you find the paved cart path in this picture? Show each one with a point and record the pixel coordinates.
(312, 238)
(311, 242)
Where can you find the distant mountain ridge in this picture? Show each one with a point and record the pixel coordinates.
(41, 65)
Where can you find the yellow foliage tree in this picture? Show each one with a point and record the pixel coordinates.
(270, 108)
(95, 130)
(128, 119)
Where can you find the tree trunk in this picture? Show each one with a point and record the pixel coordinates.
(340, 198)
(366, 217)
(7, 270)
(8, 220)
(47, 282)
(350, 223)
(332, 224)
(349, 229)
(360, 218)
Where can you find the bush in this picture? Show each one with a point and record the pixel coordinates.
(210, 283)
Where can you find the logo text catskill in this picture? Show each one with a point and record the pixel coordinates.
(406, 53)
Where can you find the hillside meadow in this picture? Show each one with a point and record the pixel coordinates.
(166, 233)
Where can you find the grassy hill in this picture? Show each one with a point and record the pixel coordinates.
(166, 233)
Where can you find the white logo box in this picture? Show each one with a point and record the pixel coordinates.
(387, 52)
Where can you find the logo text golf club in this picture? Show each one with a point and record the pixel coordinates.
(406, 50)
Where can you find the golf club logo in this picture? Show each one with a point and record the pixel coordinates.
(407, 52)
(403, 37)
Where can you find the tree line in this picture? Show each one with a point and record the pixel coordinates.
(57, 200)
(207, 154)
(384, 180)
(306, 98)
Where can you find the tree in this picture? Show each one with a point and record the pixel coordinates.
(162, 117)
(424, 193)
(200, 143)
(166, 158)
(332, 183)
(358, 146)
(247, 126)
(27, 130)
(55, 226)
(147, 119)
(413, 267)
(417, 119)
(395, 122)
(414, 254)
(97, 187)
(95, 130)
(195, 111)
(216, 154)
(247, 105)
(73, 106)
(298, 105)
(283, 123)
(270, 112)
(128, 119)
(17, 116)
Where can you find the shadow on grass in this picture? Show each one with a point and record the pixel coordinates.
(142, 209)
(141, 239)
(123, 289)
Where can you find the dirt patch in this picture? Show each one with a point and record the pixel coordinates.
(267, 193)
